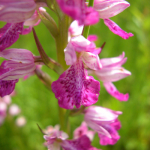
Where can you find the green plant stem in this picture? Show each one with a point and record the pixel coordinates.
(62, 40)
(61, 43)
(87, 28)
(91, 3)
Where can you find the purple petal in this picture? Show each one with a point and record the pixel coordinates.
(83, 143)
(111, 89)
(15, 11)
(9, 34)
(72, 8)
(110, 8)
(83, 130)
(116, 29)
(80, 131)
(27, 30)
(74, 87)
(18, 55)
(10, 70)
(104, 140)
(91, 17)
(7, 87)
(92, 38)
(78, 10)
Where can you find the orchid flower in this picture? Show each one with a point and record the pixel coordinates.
(108, 9)
(112, 71)
(9, 34)
(20, 63)
(104, 121)
(56, 139)
(78, 10)
(74, 86)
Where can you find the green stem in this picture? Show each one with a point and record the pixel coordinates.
(62, 40)
(87, 28)
(91, 3)
(61, 43)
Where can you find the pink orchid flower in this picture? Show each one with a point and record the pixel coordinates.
(104, 121)
(9, 34)
(74, 86)
(78, 10)
(110, 8)
(20, 63)
(55, 140)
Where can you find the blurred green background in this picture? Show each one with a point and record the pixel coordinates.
(39, 105)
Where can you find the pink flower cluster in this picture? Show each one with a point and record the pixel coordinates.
(20, 62)
(74, 87)
(102, 120)
(103, 9)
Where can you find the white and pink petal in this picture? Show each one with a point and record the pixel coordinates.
(110, 8)
(75, 29)
(112, 74)
(15, 11)
(114, 61)
(91, 60)
(18, 55)
(11, 70)
(70, 54)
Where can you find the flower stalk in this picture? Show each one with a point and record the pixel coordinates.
(87, 28)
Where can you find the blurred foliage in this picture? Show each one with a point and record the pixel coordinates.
(39, 105)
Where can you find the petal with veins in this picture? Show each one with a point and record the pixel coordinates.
(14, 11)
(110, 8)
(112, 74)
(7, 87)
(9, 34)
(114, 61)
(18, 55)
(74, 87)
